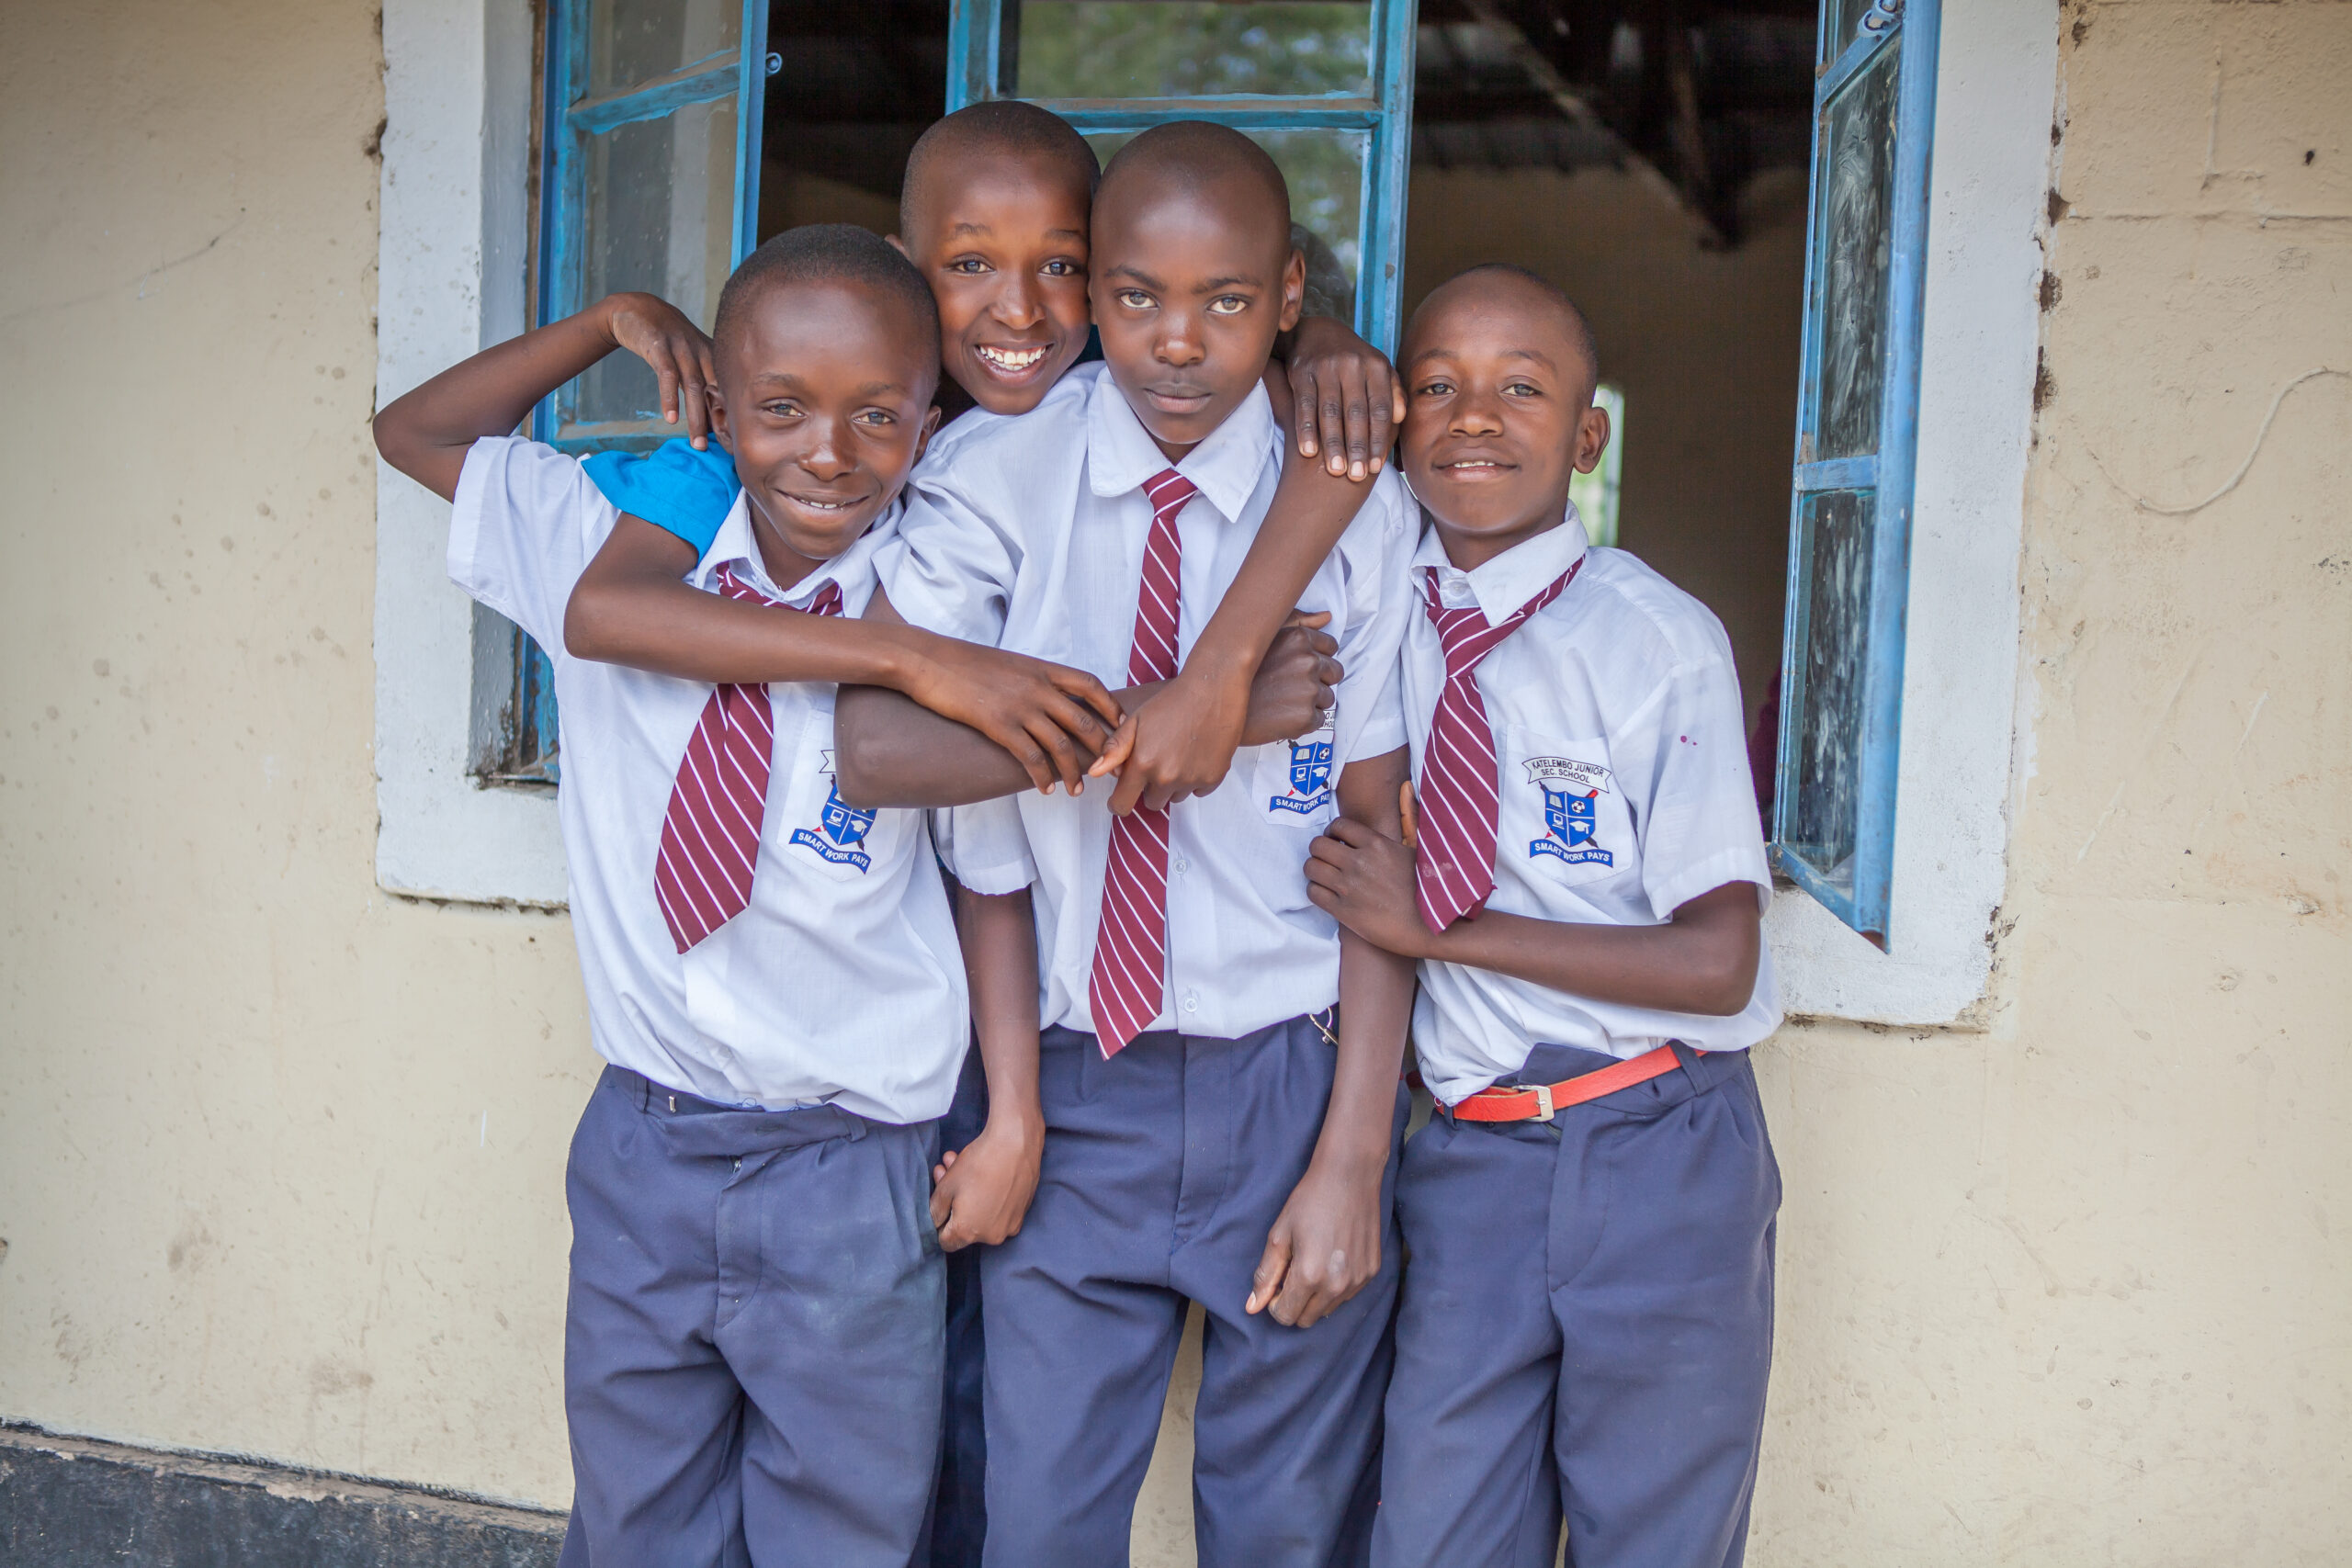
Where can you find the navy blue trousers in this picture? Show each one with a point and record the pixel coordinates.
(1586, 1324)
(959, 1515)
(1164, 1169)
(752, 1351)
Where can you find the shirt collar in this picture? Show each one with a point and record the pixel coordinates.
(1500, 586)
(733, 545)
(1121, 455)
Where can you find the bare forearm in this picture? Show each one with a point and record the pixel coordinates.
(891, 750)
(425, 433)
(1375, 994)
(1375, 1011)
(1311, 509)
(1702, 962)
(671, 629)
(999, 941)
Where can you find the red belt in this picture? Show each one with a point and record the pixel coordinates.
(1536, 1102)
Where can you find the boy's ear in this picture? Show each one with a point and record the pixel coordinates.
(1592, 438)
(1293, 288)
(929, 429)
(718, 406)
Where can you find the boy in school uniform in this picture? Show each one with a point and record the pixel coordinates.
(1209, 1137)
(752, 1345)
(1586, 1323)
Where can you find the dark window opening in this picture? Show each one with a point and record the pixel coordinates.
(1651, 160)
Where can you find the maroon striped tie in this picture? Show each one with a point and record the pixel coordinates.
(1129, 981)
(710, 837)
(1459, 796)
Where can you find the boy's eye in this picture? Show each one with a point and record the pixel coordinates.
(1058, 268)
(1228, 305)
(1132, 298)
(876, 417)
(782, 409)
(1435, 389)
(969, 265)
(1522, 389)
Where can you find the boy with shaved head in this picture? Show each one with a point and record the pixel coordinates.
(1213, 1134)
(1587, 1323)
(752, 1345)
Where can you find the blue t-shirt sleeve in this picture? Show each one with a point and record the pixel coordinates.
(674, 487)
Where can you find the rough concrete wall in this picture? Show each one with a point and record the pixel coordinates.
(2068, 1291)
(281, 1157)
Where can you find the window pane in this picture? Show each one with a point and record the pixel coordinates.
(1826, 720)
(661, 213)
(1183, 49)
(1325, 172)
(1854, 186)
(1845, 25)
(633, 41)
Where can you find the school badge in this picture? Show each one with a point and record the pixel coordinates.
(1310, 772)
(844, 827)
(1572, 792)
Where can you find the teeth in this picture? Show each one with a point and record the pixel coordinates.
(815, 505)
(1012, 358)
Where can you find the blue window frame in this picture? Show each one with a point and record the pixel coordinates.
(650, 179)
(1325, 86)
(1858, 411)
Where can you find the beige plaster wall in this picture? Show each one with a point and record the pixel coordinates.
(281, 1157)
(2070, 1290)
(280, 1163)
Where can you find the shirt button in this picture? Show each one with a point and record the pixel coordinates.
(1192, 1001)
(1183, 865)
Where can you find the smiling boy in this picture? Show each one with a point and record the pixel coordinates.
(1207, 1139)
(753, 1343)
(1587, 1322)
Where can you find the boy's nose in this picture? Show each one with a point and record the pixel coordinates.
(1180, 342)
(1019, 304)
(827, 455)
(1476, 416)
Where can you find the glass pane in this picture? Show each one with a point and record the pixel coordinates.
(1325, 172)
(1186, 49)
(660, 217)
(1828, 729)
(1855, 185)
(633, 41)
(1845, 23)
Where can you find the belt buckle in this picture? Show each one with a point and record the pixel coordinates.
(1543, 1108)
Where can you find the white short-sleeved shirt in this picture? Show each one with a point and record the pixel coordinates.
(1028, 532)
(1625, 793)
(841, 982)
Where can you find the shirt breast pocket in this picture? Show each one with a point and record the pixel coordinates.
(1565, 819)
(817, 830)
